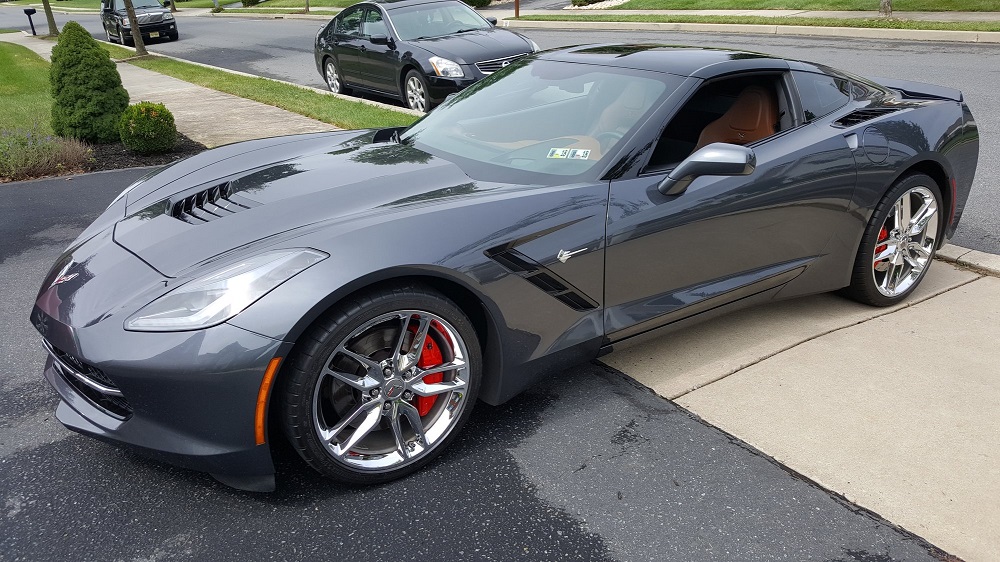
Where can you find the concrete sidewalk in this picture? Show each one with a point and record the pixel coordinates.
(197, 110)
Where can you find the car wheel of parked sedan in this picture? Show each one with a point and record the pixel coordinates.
(899, 243)
(415, 91)
(382, 385)
(111, 38)
(332, 76)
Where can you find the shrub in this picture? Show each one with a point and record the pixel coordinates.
(148, 128)
(26, 154)
(87, 93)
(478, 3)
(250, 3)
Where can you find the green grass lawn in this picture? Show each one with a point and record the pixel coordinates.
(897, 5)
(200, 4)
(335, 111)
(302, 3)
(24, 89)
(754, 20)
(4, 30)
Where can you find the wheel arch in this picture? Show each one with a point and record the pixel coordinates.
(407, 67)
(474, 305)
(937, 171)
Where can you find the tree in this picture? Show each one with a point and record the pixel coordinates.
(87, 93)
(173, 6)
(140, 47)
(885, 8)
(307, 7)
(53, 30)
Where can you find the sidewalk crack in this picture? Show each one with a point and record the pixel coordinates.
(820, 335)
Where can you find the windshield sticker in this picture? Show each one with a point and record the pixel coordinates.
(569, 153)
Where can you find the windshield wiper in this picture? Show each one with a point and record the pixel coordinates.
(468, 30)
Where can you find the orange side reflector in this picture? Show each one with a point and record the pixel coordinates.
(262, 394)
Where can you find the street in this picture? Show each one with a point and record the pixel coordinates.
(589, 465)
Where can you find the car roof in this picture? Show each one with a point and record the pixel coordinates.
(700, 62)
(392, 4)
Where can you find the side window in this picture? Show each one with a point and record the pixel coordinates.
(374, 24)
(349, 22)
(821, 94)
(739, 110)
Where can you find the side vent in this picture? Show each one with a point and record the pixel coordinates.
(860, 116)
(542, 277)
(209, 204)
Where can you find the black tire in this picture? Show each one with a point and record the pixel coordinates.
(302, 382)
(415, 93)
(864, 286)
(338, 87)
(174, 36)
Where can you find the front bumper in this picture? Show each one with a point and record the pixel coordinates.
(186, 398)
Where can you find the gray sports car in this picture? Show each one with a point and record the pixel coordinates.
(357, 292)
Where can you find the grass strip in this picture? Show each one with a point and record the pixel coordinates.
(845, 5)
(87, 4)
(25, 102)
(879, 23)
(302, 3)
(341, 113)
(4, 30)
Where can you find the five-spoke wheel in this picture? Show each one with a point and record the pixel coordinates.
(899, 244)
(415, 91)
(382, 387)
(332, 76)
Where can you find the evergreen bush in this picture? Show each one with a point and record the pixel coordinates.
(478, 3)
(148, 128)
(87, 93)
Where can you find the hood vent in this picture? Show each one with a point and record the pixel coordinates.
(209, 204)
(860, 116)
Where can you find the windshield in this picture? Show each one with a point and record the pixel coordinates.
(543, 116)
(434, 20)
(145, 4)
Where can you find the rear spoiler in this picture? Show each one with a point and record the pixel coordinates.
(919, 90)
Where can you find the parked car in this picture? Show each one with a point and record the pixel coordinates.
(419, 51)
(357, 292)
(154, 19)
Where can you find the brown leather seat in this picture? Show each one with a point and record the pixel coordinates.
(751, 118)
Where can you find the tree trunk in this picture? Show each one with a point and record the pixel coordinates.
(173, 6)
(307, 6)
(53, 29)
(885, 8)
(140, 47)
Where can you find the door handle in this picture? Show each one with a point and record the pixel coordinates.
(364, 49)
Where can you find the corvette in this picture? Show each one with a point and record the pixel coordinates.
(357, 292)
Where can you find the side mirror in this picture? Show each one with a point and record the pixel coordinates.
(716, 159)
(166, 3)
(492, 20)
(379, 40)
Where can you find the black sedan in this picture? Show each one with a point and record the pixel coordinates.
(154, 19)
(419, 51)
(357, 292)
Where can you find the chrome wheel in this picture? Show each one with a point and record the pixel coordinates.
(906, 242)
(332, 77)
(391, 391)
(416, 94)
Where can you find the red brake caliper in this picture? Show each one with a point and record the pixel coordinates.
(882, 235)
(430, 357)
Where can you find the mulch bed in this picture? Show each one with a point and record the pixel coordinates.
(115, 156)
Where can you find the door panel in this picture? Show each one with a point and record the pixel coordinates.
(347, 42)
(724, 235)
(379, 63)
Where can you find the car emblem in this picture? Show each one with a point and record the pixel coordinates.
(394, 388)
(563, 255)
(505, 64)
(64, 278)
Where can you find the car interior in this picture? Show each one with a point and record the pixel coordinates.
(737, 110)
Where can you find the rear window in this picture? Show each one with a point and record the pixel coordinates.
(821, 94)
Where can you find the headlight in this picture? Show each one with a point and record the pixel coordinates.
(447, 68)
(534, 46)
(220, 295)
(168, 16)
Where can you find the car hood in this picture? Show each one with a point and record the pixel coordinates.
(174, 221)
(476, 46)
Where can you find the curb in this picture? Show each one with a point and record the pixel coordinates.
(856, 32)
(309, 88)
(981, 262)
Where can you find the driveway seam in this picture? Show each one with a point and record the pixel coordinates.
(817, 336)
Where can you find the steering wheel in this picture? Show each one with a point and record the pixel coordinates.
(608, 138)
